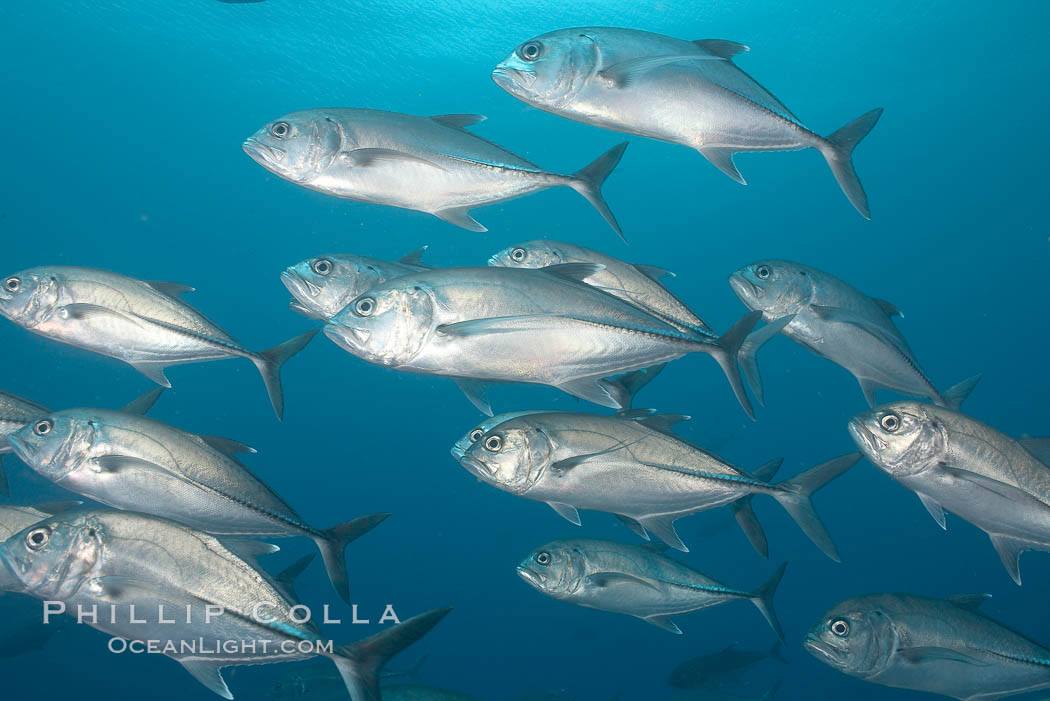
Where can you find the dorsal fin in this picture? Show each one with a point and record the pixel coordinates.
(722, 47)
(172, 289)
(143, 404)
(574, 271)
(415, 257)
(458, 121)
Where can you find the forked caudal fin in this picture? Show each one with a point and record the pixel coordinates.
(269, 363)
(795, 495)
(332, 544)
(726, 352)
(838, 152)
(360, 663)
(588, 182)
(763, 600)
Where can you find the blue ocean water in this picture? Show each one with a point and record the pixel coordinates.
(124, 122)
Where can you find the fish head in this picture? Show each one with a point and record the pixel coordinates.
(388, 325)
(529, 254)
(548, 71)
(510, 454)
(296, 146)
(902, 438)
(557, 569)
(29, 297)
(324, 285)
(856, 637)
(55, 445)
(53, 558)
(775, 287)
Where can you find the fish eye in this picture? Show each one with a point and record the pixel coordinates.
(476, 435)
(543, 559)
(12, 284)
(365, 306)
(43, 427)
(840, 627)
(763, 272)
(518, 254)
(322, 266)
(530, 51)
(493, 444)
(890, 422)
(280, 129)
(38, 537)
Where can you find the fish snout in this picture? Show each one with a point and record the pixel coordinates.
(864, 438)
(529, 576)
(509, 78)
(261, 153)
(744, 288)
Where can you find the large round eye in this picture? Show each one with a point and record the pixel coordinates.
(476, 435)
(280, 129)
(840, 627)
(763, 272)
(543, 559)
(12, 284)
(365, 306)
(890, 422)
(530, 51)
(43, 427)
(493, 444)
(38, 537)
(322, 266)
(518, 254)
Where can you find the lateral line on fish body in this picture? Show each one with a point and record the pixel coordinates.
(233, 347)
(740, 479)
(772, 113)
(1024, 659)
(715, 588)
(642, 332)
(536, 170)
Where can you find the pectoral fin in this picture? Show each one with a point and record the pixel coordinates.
(846, 316)
(606, 579)
(934, 508)
(118, 589)
(209, 674)
(84, 312)
(566, 511)
(665, 623)
(476, 391)
(918, 655)
(121, 463)
(367, 157)
(460, 216)
(622, 74)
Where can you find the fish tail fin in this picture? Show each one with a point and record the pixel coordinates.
(269, 363)
(795, 495)
(588, 182)
(763, 600)
(838, 152)
(5, 488)
(749, 354)
(954, 396)
(332, 544)
(727, 352)
(360, 663)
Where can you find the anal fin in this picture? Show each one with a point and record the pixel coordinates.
(208, 673)
(722, 158)
(934, 508)
(566, 511)
(460, 216)
(663, 528)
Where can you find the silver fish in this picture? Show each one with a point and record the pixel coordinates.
(15, 413)
(16, 518)
(632, 465)
(429, 164)
(956, 463)
(323, 285)
(838, 322)
(142, 323)
(636, 580)
(685, 92)
(940, 646)
(135, 463)
(490, 324)
(102, 559)
(635, 283)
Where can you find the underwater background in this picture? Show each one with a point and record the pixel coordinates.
(123, 124)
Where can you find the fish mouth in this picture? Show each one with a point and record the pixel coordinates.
(864, 438)
(494, 260)
(529, 576)
(822, 651)
(508, 78)
(261, 153)
(476, 467)
(744, 288)
(298, 285)
(20, 447)
(347, 338)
